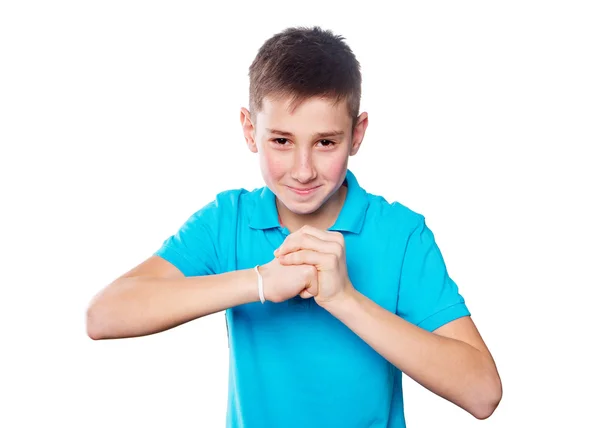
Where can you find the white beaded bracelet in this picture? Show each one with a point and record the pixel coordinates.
(261, 291)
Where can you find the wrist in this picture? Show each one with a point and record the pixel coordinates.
(260, 284)
(342, 301)
(249, 280)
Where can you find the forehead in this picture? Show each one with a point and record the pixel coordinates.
(314, 114)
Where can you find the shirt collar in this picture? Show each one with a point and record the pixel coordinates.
(350, 219)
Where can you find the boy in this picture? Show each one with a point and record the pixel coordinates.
(330, 293)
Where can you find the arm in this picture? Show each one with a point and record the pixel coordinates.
(431, 338)
(453, 363)
(183, 280)
(155, 296)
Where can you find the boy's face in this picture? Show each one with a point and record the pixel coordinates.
(304, 154)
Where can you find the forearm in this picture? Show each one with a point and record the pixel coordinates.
(450, 368)
(138, 306)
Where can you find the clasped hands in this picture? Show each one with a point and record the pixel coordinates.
(310, 263)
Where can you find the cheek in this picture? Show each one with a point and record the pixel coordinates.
(273, 164)
(335, 166)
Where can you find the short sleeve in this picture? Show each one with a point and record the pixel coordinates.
(427, 296)
(193, 248)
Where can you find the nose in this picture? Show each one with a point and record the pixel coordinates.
(303, 170)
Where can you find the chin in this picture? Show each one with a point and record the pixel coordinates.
(301, 208)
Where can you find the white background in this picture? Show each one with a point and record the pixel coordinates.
(119, 119)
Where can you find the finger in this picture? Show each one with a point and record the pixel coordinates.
(313, 286)
(309, 257)
(307, 242)
(336, 238)
(325, 235)
(305, 294)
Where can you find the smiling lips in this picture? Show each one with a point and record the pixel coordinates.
(303, 191)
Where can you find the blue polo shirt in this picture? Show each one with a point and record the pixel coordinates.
(293, 364)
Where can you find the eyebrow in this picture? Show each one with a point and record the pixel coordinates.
(317, 135)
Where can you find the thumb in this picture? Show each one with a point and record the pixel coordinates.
(305, 294)
(312, 289)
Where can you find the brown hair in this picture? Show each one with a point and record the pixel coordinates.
(304, 62)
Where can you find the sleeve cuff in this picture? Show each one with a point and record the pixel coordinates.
(444, 316)
(172, 256)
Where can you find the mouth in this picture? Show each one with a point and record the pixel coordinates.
(303, 191)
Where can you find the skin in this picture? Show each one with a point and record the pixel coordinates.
(303, 159)
(453, 361)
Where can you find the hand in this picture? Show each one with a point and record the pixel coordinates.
(281, 282)
(324, 250)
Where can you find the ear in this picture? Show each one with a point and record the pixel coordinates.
(359, 132)
(248, 129)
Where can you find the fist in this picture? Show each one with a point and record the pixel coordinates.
(281, 282)
(326, 252)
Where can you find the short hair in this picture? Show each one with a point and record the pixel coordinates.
(301, 63)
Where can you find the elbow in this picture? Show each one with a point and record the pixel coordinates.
(109, 310)
(488, 398)
(92, 324)
(97, 322)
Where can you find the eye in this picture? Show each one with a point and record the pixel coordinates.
(280, 141)
(327, 143)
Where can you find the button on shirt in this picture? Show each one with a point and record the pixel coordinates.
(293, 364)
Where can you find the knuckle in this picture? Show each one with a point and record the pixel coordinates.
(339, 249)
(310, 271)
(332, 259)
